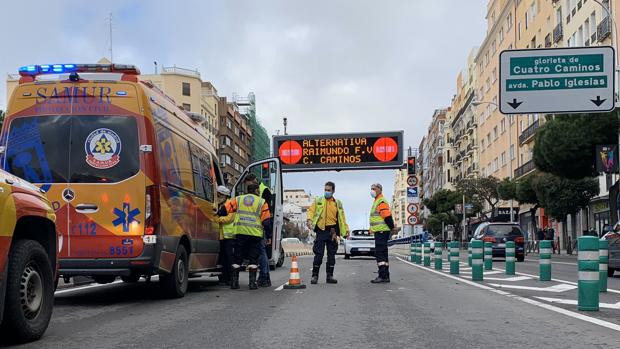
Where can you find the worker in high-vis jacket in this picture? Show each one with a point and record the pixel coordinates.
(252, 223)
(381, 225)
(326, 218)
(227, 236)
(264, 278)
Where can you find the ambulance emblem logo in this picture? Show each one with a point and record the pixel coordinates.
(103, 149)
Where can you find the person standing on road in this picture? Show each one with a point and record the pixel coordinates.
(252, 218)
(264, 279)
(381, 224)
(326, 218)
(227, 236)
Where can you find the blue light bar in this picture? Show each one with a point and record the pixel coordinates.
(32, 70)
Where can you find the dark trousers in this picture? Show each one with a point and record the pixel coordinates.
(381, 253)
(247, 247)
(226, 258)
(324, 240)
(381, 246)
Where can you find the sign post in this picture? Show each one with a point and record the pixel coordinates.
(559, 80)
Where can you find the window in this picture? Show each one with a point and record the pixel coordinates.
(519, 31)
(495, 133)
(482, 144)
(503, 159)
(236, 148)
(494, 75)
(242, 136)
(494, 105)
(509, 21)
(593, 23)
(236, 130)
(225, 159)
(185, 88)
(489, 138)
(187, 107)
(501, 34)
(512, 152)
(175, 159)
(502, 126)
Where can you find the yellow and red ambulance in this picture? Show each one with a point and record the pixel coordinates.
(131, 176)
(28, 251)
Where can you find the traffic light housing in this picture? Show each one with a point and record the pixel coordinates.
(411, 165)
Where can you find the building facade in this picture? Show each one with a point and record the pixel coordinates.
(399, 198)
(189, 92)
(434, 153)
(235, 137)
(260, 137)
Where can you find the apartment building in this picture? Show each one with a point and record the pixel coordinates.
(234, 140)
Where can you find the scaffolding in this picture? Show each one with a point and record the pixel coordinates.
(260, 139)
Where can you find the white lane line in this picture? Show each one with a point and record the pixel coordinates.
(280, 288)
(574, 302)
(559, 310)
(73, 289)
(566, 263)
(511, 279)
(554, 288)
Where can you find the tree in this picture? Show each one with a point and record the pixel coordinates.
(562, 196)
(507, 189)
(442, 201)
(565, 145)
(484, 189)
(434, 222)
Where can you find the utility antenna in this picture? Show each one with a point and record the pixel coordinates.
(111, 51)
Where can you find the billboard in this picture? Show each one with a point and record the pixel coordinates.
(350, 151)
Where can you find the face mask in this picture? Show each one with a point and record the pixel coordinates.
(373, 193)
(328, 194)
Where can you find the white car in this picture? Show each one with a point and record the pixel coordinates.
(359, 243)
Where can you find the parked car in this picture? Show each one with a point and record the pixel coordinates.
(359, 243)
(613, 238)
(499, 234)
(28, 254)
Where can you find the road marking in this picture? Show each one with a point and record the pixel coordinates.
(280, 288)
(554, 288)
(559, 310)
(574, 302)
(511, 279)
(566, 263)
(73, 289)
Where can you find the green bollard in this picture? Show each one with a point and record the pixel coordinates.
(438, 255)
(603, 260)
(427, 254)
(488, 256)
(454, 257)
(510, 257)
(469, 254)
(588, 284)
(544, 260)
(412, 251)
(476, 260)
(417, 253)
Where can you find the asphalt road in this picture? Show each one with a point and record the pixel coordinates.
(421, 308)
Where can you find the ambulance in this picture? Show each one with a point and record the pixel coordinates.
(28, 251)
(131, 176)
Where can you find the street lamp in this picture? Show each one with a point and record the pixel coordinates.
(476, 103)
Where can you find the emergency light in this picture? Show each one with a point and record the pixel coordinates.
(34, 70)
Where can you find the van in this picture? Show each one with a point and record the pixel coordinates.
(130, 175)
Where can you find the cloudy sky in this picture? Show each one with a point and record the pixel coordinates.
(329, 66)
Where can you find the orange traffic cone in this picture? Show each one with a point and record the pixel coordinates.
(294, 281)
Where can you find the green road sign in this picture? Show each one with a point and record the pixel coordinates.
(562, 80)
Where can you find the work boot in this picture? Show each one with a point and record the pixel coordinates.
(234, 279)
(330, 275)
(264, 281)
(315, 274)
(253, 284)
(383, 277)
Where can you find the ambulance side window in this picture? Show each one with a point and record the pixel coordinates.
(196, 171)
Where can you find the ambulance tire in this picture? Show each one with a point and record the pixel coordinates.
(131, 279)
(29, 292)
(174, 284)
(280, 259)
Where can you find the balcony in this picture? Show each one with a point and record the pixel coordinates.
(529, 132)
(548, 40)
(472, 169)
(604, 29)
(525, 169)
(558, 32)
